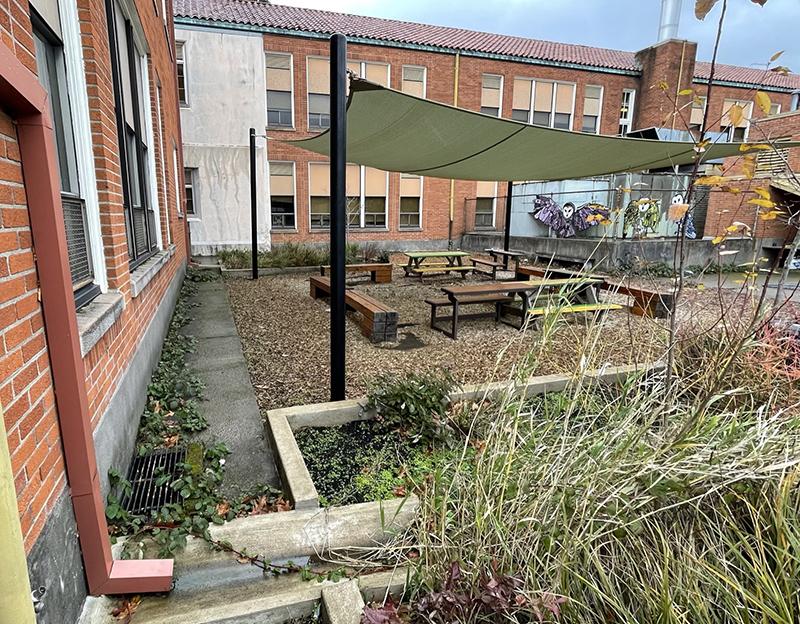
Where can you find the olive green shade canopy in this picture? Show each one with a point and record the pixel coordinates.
(395, 131)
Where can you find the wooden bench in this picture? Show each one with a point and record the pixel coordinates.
(445, 302)
(491, 267)
(554, 260)
(379, 272)
(440, 268)
(377, 321)
(646, 302)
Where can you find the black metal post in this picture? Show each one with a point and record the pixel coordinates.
(507, 233)
(338, 134)
(253, 204)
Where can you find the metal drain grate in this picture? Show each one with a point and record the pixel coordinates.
(146, 497)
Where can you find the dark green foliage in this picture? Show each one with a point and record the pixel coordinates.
(415, 404)
(294, 255)
(174, 390)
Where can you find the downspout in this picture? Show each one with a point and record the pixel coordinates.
(453, 182)
(24, 99)
(15, 590)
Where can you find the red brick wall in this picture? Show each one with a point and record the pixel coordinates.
(440, 80)
(667, 69)
(26, 392)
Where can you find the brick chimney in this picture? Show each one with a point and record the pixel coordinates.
(669, 63)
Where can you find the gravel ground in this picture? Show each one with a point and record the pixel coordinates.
(285, 339)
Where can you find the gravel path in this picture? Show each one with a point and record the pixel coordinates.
(285, 339)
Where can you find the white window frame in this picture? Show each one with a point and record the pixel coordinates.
(600, 110)
(151, 148)
(424, 77)
(502, 87)
(311, 226)
(308, 95)
(363, 200)
(176, 175)
(82, 132)
(748, 107)
(163, 164)
(411, 228)
(291, 91)
(182, 44)
(777, 112)
(194, 183)
(534, 82)
(494, 203)
(294, 191)
(362, 70)
(627, 121)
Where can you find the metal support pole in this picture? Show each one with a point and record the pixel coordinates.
(253, 204)
(338, 134)
(507, 233)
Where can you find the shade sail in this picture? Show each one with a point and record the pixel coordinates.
(395, 131)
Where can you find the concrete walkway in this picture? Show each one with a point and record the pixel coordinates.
(230, 406)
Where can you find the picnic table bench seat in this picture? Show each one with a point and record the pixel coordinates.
(486, 267)
(380, 272)
(573, 308)
(446, 302)
(646, 301)
(377, 321)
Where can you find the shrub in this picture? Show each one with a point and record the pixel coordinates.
(415, 404)
(288, 255)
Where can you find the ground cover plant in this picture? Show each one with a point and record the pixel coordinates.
(298, 255)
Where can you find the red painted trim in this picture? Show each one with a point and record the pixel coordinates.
(23, 96)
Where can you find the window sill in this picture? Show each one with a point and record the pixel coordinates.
(415, 228)
(282, 128)
(284, 230)
(97, 317)
(145, 272)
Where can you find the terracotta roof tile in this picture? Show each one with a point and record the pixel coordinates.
(262, 13)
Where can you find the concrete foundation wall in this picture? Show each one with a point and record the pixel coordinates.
(115, 435)
(616, 253)
(226, 92)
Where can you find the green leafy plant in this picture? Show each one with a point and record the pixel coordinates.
(290, 255)
(415, 404)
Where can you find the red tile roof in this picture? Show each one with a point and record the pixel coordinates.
(262, 13)
(746, 75)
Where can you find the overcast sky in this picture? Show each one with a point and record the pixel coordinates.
(751, 35)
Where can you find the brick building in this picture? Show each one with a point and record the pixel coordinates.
(93, 249)
(554, 84)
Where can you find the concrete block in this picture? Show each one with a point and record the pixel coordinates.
(331, 414)
(296, 479)
(376, 587)
(342, 603)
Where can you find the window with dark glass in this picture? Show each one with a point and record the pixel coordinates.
(410, 201)
(189, 185)
(51, 72)
(281, 194)
(279, 90)
(126, 66)
(180, 68)
(484, 204)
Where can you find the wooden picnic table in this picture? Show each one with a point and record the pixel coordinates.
(505, 255)
(448, 261)
(585, 290)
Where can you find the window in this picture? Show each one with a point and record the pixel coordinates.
(180, 68)
(737, 133)
(410, 201)
(414, 80)
(774, 109)
(592, 105)
(319, 189)
(175, 170)
(51, 70)
(542, 103)
(697, 114)
(626, 111)
(134, 149)
(190, 185)
(374, 72)
(365, 188)
(279, 91)
(491, 95)
(485, 204)
(319, 99)
(281, 194)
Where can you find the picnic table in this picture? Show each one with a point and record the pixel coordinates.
(444, 262)
(581, 293)
(505, 255)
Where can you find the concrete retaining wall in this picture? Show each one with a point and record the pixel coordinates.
(610, 254)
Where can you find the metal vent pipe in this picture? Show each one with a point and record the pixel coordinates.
(670, 19)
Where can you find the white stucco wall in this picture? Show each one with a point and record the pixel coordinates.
(226, 93)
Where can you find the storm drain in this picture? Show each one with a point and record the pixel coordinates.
(146, 496)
